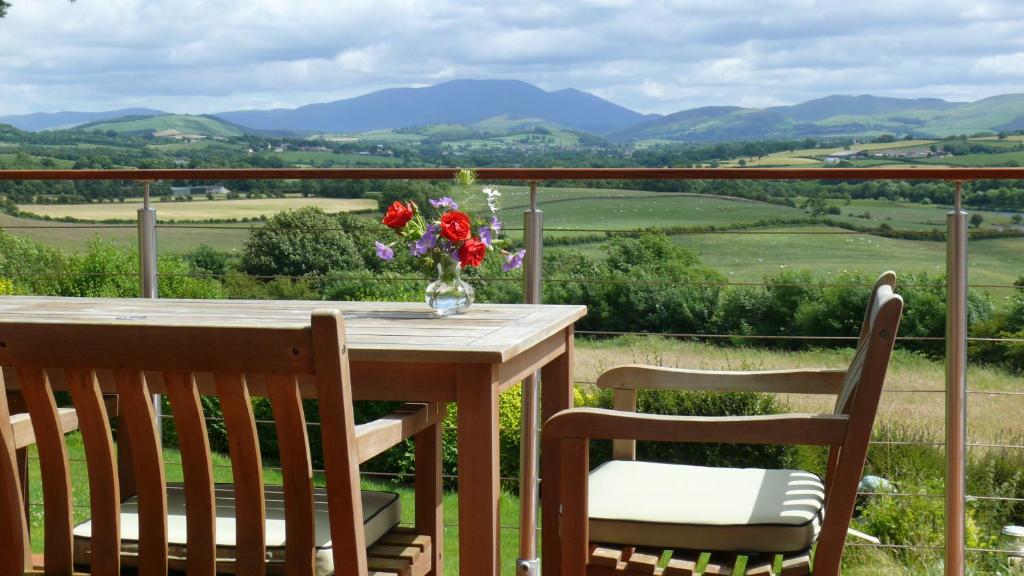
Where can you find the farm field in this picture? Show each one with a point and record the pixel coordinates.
(745, 255)
(1015, 157)
(750, 256)
(198, 210)
(170, 237)
(319, 158)
(585, 208)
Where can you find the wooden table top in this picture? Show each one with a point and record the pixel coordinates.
(401, 331)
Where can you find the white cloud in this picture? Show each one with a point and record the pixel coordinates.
(650, 55)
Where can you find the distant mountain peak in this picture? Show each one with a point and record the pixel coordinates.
(461, 101)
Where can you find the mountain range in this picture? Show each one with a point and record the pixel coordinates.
(56, 120)
(476, 103)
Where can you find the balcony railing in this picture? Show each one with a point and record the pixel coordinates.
(956, 339)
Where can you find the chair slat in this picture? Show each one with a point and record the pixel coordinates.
(104, 492)
(337, 425)
(137, 417)
(761, 565)
(643, 561)
(605, 556)
(796, 565)
(682, 564)
(53, 466)
(197, 469)
(720, 564)
(297, 470)
(247, 472)
(13, 524)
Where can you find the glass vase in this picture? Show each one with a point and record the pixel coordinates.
(449, 294)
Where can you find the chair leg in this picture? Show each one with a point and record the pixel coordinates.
(428, 485)
(573, 528)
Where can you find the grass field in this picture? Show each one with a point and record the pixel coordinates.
(1014, 158)
(809, 157)
(748, 255)
(752, 256)
(318, 158)
(183, 123)
(198, 210)
(584, 208)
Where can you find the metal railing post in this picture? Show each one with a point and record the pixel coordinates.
(528, 563)
(956, 384)
(147, 265)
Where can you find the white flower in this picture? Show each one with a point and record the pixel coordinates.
(492, 198)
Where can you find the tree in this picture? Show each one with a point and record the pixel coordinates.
(976, 220)
(303, 242)
(1016, 218)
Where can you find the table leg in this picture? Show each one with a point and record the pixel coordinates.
(556, 395)
(428, 493)
(477, 399)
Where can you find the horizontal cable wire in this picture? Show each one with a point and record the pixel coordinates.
(608, 281)
(513, 480)
(930, 547)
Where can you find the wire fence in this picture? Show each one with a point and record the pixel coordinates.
(751, 229)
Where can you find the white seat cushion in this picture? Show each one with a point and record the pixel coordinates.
(382, 511)
(701, 508)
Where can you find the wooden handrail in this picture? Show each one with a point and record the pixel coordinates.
(526, 174)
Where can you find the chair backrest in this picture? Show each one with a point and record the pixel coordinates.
(183, 362)
(881, 294)
(858, 398)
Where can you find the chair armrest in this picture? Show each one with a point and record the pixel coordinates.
(803, 381)
(25, 435)
(374, 437)
(603, 424)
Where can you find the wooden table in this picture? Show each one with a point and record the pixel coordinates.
(399, 352)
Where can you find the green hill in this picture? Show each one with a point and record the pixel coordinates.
(168, 125)
(836, 116)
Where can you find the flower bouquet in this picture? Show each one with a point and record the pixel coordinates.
(449, 242)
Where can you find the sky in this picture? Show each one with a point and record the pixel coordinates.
(207, 56)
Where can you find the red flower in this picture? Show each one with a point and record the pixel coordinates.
(455, 226)
(472, 252)
(398, 215)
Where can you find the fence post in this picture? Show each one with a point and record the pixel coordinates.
(956, 383)
(528, 563)
(147, 265)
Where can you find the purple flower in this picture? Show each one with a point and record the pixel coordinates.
(426, 242)
(445, 202)
(384, 252)
(513, 261)
(496, 224)
(485, 235)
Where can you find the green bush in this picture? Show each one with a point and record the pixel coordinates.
(303, 242)
(912, 520)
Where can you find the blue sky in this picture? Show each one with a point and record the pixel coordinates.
(649, 55)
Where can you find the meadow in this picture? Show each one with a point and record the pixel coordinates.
(198, 209)
(742, 255)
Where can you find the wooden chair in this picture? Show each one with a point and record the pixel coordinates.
(141, 523)
(623, 516)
